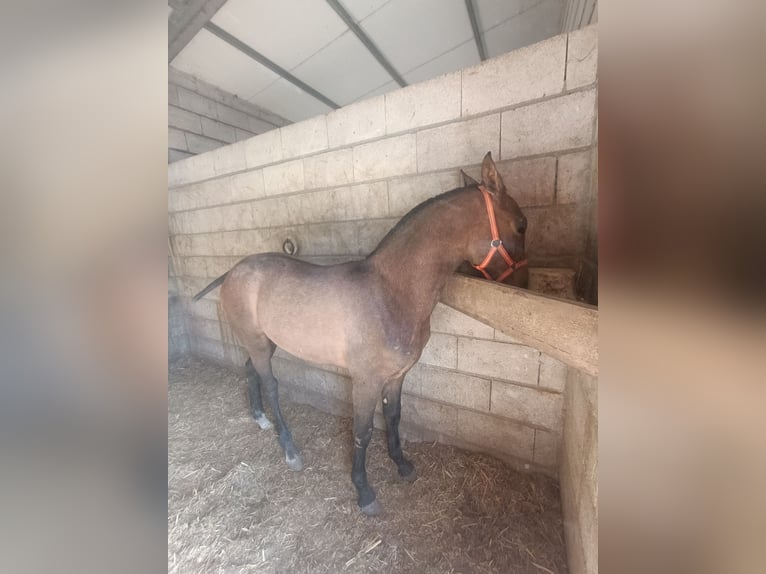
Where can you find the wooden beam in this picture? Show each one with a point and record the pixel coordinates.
(565, 330)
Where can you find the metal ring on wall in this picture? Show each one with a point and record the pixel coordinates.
(290, 247)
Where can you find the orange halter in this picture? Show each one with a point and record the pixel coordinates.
(496, 245)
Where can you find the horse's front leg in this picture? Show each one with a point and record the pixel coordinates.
(392, 410)
(365, 397)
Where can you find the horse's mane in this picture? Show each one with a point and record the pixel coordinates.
(417, 210)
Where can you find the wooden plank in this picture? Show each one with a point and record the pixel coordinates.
(565, 330)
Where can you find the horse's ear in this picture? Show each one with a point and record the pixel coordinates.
(467, 179)
(490, 177)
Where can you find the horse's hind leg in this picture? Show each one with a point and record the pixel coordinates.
(392, 410)
(261, 349)
(254, 392)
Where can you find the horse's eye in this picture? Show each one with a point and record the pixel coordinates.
(521, 224)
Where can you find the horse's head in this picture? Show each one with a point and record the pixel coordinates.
(503, 260)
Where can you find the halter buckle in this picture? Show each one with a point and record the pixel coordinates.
(496, 243)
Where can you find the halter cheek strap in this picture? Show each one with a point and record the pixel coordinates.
(496, 245)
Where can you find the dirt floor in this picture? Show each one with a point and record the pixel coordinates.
(233, 506)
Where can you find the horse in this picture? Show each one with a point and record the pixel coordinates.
(370, 316)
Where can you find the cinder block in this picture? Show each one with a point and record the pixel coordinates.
(423, 104)
(183, 120)
(217, 130)
(358, 122)
(582, 57)
(546, 448)
(449, 387)
(573, 182)
(503, 338)
(530, 181)
(237, 216)
(208, 348)
(230, 158)
(526, 74)
(273, 213)
(366, 201)
(172, 95)
(263, 149)
(370, 233)
(192, 266)
(259, 126)
(558, 124)
(188, 100)
(553, 373)
(205, 328)
(448, 320)
(441, 351)
(527, 405)
(498, 360)
(177, 155)
(217, 266)
(242, 186)
(404, 193)
(201, 144)
(458, 144)
(385, 158)
(556, 231)
(428, 414)
(176, 139)
(329, 169)
(308, 136)
(231, 116)
(192, 169)
(492, 433)
(340, 204)
(282, 178)
(241, 134)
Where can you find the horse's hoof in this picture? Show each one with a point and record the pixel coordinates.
(410, 476)
(295, 463)
(263, 422)
(372, 509)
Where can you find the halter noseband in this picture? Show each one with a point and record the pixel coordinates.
(496, 245)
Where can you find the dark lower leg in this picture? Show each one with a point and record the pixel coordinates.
(362, 436)
(392, 410)
(254, 392)
(270, 390)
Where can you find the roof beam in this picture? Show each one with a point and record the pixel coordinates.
(365, 39)
(264, 61)
(186, 19)
(471, 8)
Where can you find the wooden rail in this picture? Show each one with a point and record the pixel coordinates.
(563, 329)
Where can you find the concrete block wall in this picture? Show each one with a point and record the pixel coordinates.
(579, 472)
(202, 117)
(335, 184)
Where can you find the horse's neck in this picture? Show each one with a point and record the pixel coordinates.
(418, 259)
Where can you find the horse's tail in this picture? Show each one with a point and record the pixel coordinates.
(210, 287)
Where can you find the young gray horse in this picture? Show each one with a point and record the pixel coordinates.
(371, 317)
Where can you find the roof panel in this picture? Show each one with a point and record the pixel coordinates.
(360, 9)
(286, 100)
(461, 57)
(285, 32)
(490, 13)
(385, 88)
(411, 33)
(534, 25)
(209, 58)
(343, 71)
